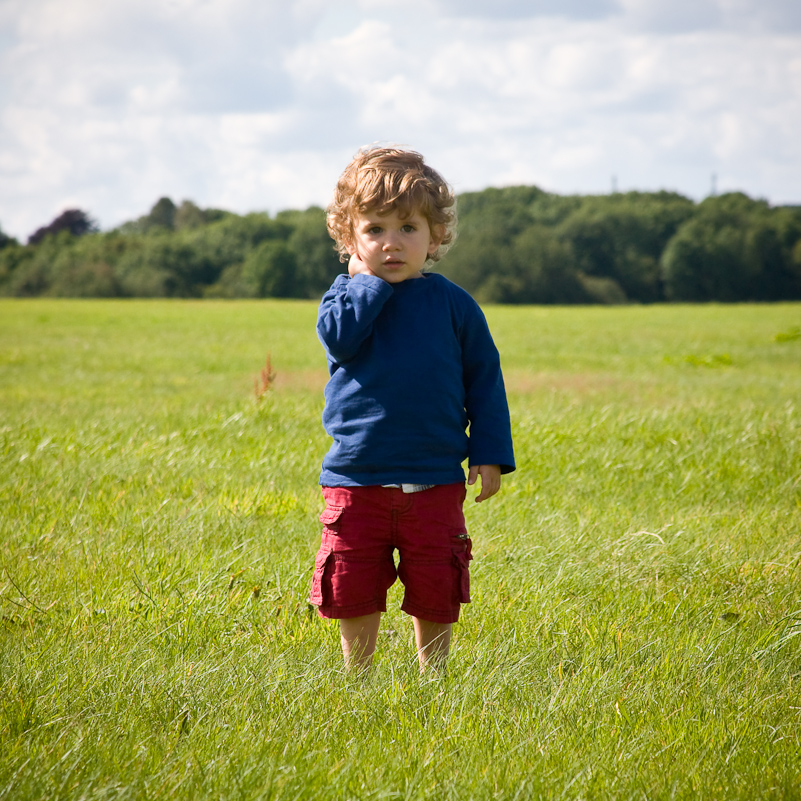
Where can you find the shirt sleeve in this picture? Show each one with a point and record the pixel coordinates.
(490, 434)
(347, 313)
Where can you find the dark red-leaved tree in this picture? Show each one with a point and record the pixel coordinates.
(75, 221)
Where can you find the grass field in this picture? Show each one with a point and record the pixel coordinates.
(635, 630)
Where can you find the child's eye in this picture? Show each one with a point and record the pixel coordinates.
(408, 228)
(375, 229)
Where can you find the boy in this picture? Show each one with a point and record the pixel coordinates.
(411, 364)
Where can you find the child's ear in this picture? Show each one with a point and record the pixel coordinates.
(437, 235)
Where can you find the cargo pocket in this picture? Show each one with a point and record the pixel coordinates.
(330, 516)
(462, 554)
(324, 556)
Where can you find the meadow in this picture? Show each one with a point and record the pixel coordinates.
(635, 630)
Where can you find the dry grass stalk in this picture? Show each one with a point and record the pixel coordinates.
(264, 380)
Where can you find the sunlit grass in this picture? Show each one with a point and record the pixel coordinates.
(636, 624)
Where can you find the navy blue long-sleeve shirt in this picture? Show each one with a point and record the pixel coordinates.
(411, 365)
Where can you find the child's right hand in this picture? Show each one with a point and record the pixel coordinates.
(356, 266)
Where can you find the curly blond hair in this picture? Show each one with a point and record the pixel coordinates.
(386, 179)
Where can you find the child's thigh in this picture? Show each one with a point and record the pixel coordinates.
(434, 523)
(357, 522)
(354, 566)
(435, 551)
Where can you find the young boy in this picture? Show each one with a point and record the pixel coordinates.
(411, 365)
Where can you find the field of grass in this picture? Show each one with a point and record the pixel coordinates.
(635, 630)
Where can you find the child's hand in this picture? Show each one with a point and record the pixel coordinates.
(357, 266)
(490, 479)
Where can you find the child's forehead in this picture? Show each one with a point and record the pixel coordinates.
(391, 212)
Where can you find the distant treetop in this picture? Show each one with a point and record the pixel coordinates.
(75, 221)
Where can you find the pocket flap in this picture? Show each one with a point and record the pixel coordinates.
(321, 558)
(318, 590)
(331, 514)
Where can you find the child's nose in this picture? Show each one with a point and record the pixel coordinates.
(391, 242)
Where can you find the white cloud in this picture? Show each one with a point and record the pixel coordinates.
(248, 104)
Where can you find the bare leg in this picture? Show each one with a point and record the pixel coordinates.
(433, 642)
(359, 636)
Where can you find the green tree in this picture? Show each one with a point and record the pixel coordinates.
(622, 237)
(162, 266)
(706, 260)
(269, 271)
(770, 242)
(229, 240)
(84, 267)
(544, 269)
(733, 249)
(489, 221)
(6, 240)
(188, 215)
(162, 215)
(16, 275)
(317, 263)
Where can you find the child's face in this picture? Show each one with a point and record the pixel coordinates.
(393, 248)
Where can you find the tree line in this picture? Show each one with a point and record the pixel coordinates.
(515, 245)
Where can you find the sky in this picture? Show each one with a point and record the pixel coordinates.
(258, 105)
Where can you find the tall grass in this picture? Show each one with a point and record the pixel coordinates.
(636, 624)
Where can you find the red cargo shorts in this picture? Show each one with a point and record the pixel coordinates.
(362, 527)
